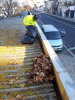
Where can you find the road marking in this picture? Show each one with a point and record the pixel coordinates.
(40, 16)
(62, 31)
(69, 51)
(40, 21)
(60, 22)
(64, 46)
(73, 48)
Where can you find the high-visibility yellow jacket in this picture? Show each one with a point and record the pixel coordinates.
(28, 20)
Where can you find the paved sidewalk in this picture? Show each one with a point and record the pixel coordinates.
(66, 18)
(11, 27)
(68, 62)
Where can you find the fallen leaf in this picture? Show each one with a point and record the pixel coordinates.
(31, 75)
(16, 78)
(41, 74)
(46, 79)
(15, 67)
(18, 96)
(39, 79)
(46, 68)
(35, 65)
(35, 74)
(51, 77)
(22, 85)
(30, 81)
(35, 59)
(50, 65)
(10, 83)
(41, 70)
(12, 80)
(43, 64)
(35, 69)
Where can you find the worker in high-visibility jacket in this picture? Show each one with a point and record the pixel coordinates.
(30, 20)
(31, 30)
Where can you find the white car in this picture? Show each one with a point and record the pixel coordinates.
(53, 36)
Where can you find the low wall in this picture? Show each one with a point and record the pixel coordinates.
(65, 84)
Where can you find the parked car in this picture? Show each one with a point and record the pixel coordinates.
(53, 36)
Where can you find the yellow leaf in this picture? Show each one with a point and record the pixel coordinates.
(22, 85)
(10, 83)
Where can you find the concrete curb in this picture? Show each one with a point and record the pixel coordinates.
(65, 84)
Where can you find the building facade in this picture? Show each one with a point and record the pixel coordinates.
(63, 6)
(35, 3)
(66, 2)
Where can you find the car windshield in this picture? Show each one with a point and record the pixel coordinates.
(52, 35)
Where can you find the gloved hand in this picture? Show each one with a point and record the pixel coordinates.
(30, 25)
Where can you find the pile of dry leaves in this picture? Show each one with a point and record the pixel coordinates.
(42, 70)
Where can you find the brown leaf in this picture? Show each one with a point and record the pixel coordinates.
(30, 81)
(50, 70)
(30, 75)
(39, 79)
(15, 67)
(34, 78)
(47, 57)
(46, 79)
(35, 65)
(12, 80)
(50, 65)
(46, 68)
(10, 83)
(51, 77)
(16, 78)
(41, 56)
(35, 59)
(38, 68)
(35, 74)
(44, 56)
(47, 73)
(41, 74)
(38, 56)
(41, 69)
(35, 69)
(43, 64)
(18, 96)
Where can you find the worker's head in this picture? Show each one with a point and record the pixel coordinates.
(35, 17)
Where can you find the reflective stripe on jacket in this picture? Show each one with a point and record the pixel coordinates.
(28, 20)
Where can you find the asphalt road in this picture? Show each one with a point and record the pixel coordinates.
(66, 29)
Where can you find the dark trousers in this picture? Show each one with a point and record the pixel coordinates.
(31, 31)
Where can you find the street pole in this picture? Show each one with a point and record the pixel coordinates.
(74, 9)
(45, 6)
(74, 2)
(11, 7)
